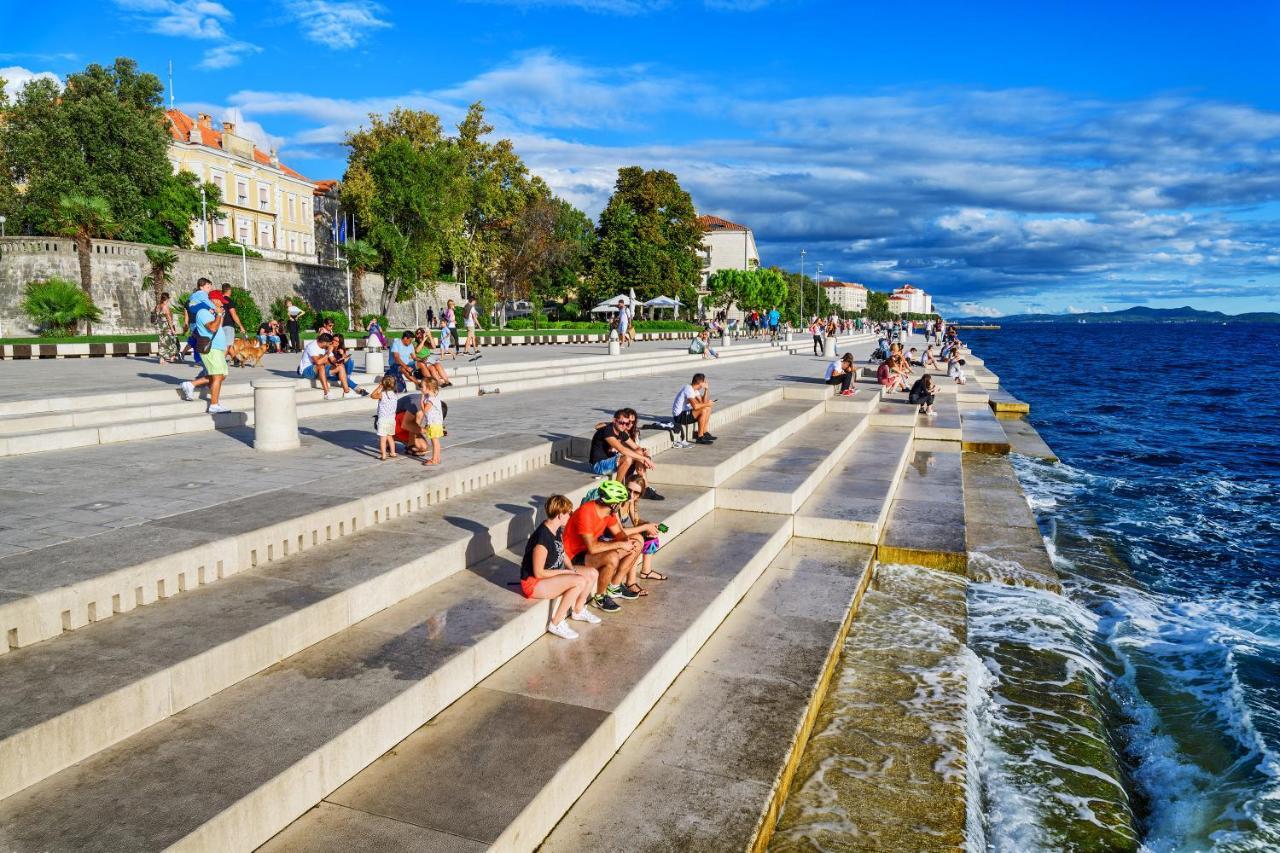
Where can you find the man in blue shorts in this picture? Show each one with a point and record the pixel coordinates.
(614, 452)
(774, 318)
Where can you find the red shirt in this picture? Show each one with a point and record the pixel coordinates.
(585, 519)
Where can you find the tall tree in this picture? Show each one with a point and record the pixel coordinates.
(878, 307)
(84, 218)
(103, 135)
(564, 273)
(174, 207)
(543, 252)
(361, 257)
(648, 237)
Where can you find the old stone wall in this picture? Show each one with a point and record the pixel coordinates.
(118, 269)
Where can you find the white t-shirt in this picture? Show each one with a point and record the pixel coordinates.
(472, 316)
(294, 310)
(310, 351)
(831, 371)
(387, 404)
(681, 403)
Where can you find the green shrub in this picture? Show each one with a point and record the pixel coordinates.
(520, 323)
(571, 311)
(227, 246)
(57, 306)
(246, 309)
(339, 319)
(665, 326)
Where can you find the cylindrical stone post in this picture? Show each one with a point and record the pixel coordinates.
(374, 362)
(275, 414)
(829, 346)
(724, 339)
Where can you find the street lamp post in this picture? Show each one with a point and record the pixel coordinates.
(802, 285)
(817, 277)
(346, 262)
(204, 219)
(244, 266)
(2, 222)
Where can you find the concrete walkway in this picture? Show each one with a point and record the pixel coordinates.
(61, 496)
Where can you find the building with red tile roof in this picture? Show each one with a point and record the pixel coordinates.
(265, 205)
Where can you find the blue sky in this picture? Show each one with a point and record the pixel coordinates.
(1006, 158)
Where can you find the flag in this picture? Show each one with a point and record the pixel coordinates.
(342, 231)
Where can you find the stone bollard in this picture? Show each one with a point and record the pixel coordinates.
(374, 362)
(615, 346)
(829, 346)
(275, 414)
(724, 340)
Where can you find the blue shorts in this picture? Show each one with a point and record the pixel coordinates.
(608, 465)
(309, 372)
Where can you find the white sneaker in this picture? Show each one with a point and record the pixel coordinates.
(188, 391)
(218, 409)
(346, 394)
(332, 395)
(562, 630)
(680, 444)
(585, 615)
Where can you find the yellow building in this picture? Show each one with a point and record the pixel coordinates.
(266, 205)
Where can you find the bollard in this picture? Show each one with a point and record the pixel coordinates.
(829, 346)
(374, 362)
(275, 414)
(615, 346)
(724, 339)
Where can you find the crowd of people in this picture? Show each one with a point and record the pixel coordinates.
(895, 361)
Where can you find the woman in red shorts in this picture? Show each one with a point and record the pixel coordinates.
(545, 574)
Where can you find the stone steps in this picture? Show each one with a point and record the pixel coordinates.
(501, 766)
(852, 504)
(724, 740)
(144, 420)
(1004, 542)
(758, 434)
(784, 478)
(981, 431)
(943, 426)
(926, 524)
(1002, 402)
(47, 592)
(105, 684)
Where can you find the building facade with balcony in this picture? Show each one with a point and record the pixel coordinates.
(846, 295)
(265, 205)
(918, 302)
(899, 304)
(726, 246)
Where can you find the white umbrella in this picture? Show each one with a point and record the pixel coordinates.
(663, 302)
(611, 305)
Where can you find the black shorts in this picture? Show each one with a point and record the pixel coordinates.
(685, 419)
(579, 559)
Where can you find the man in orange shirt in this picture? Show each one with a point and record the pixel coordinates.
(613, 557)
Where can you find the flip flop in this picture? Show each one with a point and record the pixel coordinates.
(637, 589)
(653, 576)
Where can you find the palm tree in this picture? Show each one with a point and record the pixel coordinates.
(162, 263)
(361, 257)
(83, 218)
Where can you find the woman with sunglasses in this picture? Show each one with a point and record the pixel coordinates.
(644, 532)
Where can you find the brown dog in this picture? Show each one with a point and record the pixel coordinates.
(245, 350)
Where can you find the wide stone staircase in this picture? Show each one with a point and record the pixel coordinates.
(338, 673)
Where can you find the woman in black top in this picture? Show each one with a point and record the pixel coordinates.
(544, 573)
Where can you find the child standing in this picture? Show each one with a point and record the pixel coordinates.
(385, 426)
(431, 417)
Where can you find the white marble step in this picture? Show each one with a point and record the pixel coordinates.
(852, 503)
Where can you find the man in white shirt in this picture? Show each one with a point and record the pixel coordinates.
(692, 405)
(624, 323)
(315, 364)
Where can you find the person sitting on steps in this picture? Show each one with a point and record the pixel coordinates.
(614, 450)
(613, 559)
(315, 364)
(546, 575)
(842, 373)
(922, 393)
(692, 406)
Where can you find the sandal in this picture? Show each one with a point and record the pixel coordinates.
(651, 575)
(637, 589)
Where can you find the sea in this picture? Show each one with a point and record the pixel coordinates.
(1138, 710)
(1163, 518)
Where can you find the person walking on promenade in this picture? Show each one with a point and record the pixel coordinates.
(546, 575)
(841, 373)
(450, 320)
(624, 323)
(816, 329)
(198, 299)
(385, 424)
(291, 314)
(162, 319)
(213, 355)
(471, 319)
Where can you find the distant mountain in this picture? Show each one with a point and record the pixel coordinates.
(1137, 314)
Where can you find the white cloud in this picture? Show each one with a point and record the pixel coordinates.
(227, 55)
(200, 19)
(339, 24)
(15, 77)
(977, 309)
(612, 7)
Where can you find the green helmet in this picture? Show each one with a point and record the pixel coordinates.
(612, 492)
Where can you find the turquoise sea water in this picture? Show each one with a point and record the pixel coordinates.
(1164, 519)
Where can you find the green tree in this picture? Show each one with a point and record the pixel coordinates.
(172, 210)
(84, 218)
(162, 263)
(361, 257)
(564, 273)
(543, 252)
(878, 307)
(57, 306)
(648, 238)
(102, 135)
(731, 287)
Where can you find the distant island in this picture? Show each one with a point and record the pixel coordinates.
(1137, 314)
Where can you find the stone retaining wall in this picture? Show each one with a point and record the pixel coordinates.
(118, 269)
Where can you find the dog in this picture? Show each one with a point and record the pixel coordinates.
(245, 350)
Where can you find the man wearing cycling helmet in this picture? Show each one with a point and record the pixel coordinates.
(611, 558)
